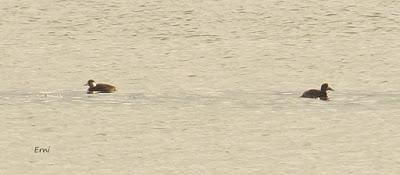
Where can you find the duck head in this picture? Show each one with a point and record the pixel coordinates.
(325, 87)
(91, 83)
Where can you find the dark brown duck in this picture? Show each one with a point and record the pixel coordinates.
(100, 88)
(315, 93)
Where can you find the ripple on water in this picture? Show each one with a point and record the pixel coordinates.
(273, 101)
(74, 97)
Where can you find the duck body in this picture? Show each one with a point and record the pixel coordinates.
(100, 88)
(315, 93)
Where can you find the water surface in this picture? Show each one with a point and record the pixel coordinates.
(208, 87)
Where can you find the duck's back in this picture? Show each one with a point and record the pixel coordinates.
(105, 88)
(312, 93)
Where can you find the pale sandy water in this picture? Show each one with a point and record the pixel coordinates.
(205, 87)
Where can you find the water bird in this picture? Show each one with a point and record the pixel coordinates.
(315, 93)
(100, 88)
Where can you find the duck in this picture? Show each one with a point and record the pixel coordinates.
(100, 88)
(315, 93)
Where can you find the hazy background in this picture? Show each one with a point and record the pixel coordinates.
(205, 87)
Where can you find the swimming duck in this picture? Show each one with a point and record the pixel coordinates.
(101, 88)
(315, 93)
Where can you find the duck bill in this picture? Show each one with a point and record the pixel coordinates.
(329, 88)
(86, 84)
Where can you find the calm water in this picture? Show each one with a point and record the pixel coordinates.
(207, 87)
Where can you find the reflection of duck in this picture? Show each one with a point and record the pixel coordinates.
(101, 88)
(314, 93)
